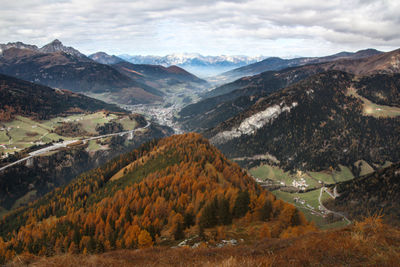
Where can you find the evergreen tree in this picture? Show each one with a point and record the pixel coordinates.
(241, 204)
(224, 215)
(266, 211)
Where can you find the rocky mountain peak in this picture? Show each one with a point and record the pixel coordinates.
(19, 45)
(57, 46)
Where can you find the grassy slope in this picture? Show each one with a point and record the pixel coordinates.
(373, 109)
(311, 197)
(25, 131)
(368, 243)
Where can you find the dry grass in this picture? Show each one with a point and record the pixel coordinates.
(367, 243)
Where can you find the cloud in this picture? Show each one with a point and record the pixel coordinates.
(279, 27)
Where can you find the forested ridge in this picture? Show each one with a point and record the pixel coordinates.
(164, 190)
(18, 97)
(375, 193)
(327, 127)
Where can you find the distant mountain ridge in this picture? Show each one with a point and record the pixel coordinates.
(58, 66)
(194, 62)
(276, 63)
(57, 46)
(230, 99)
(18, 45)
(18, 97)
(104, 58)
(52, 47)
(156, 76)
(192, 58)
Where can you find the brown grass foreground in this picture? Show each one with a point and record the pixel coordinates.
(367, 243)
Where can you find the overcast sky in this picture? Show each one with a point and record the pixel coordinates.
(260, 27)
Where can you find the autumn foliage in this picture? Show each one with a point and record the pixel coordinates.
(367, 243)
(163, 190)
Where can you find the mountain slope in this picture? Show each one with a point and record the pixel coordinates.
(67, 69)
(317, 123)
(18, 45)
(42, 174)
(157, 76)
(230, 99)
(157, 192)
(200, 65)
(18, 97)
(275, 63)
(367, 243)
(104, 58)
(376, 193)
(57, 46)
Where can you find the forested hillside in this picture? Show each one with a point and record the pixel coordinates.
(18, 97)
(376, 193)
(317, 123)
(366, 243)
(169, 189)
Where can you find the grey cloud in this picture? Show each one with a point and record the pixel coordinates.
(156, 26)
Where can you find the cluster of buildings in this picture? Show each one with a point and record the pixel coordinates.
(300, 184)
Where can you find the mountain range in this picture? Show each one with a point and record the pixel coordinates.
(320, 133)
(104, 58)
(276, 63)
(64, 68)
(196, 63)
(319, 122)
(58, 66)
(54, 46)
(230, 99)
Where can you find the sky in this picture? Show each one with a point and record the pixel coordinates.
(284, 28)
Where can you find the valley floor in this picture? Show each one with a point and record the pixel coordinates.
(307, 191)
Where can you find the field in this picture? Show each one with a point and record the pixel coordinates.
(365, 167)
(93, 145)
(311, 199)
(323, 176)
(23, 132)
(375, 110)
(313, 180)
(277, 174)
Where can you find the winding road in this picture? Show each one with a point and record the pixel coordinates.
(322, 207)
(64, 144)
